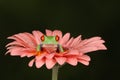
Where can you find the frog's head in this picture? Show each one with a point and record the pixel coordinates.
(49, 43)
(49, 39)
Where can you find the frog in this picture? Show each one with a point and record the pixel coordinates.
(50, 43)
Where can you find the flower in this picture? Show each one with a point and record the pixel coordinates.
(74, 49)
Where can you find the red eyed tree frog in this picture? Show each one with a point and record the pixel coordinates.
(50, 44)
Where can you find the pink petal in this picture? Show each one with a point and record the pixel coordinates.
(37, 35)
(22, 39)
(57, 32)
(86, 41)
(65, 38)
(39, 63)
(84, 62)
(91, 44)
(94, 38)
(72, 61)
(30, 55)
(84, 57)
(60, 60)
(31, 37)
(69, 42)
(92, 48)
(14, 43)
(26, 39)
(22, 55)
(102, 47)
(7, 52)
(31, 63)
(15, 51)
(14, 38)
(59, 55)
(19, 51)
(48, 32)
(50, 63)
(76, 41)
(18, 40)
(73, 52)
(50, 56)
(88, 49)
(28, 52)
(97, 42)
(39, 57)
(11, 47)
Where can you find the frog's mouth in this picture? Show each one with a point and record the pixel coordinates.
(50, 47)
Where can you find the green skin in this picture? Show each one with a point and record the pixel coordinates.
(50, 41)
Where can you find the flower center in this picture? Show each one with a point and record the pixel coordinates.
(38, 53)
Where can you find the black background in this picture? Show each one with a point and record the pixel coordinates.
(86, 17)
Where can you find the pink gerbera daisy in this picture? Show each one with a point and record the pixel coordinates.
(73, 49)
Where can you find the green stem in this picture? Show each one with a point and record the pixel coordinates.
(55, 72)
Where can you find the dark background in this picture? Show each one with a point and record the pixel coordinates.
(87, 17)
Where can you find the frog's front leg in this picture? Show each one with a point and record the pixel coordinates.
(60, 48)
(39, 47)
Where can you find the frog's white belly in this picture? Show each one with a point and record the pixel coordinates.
(50, 47)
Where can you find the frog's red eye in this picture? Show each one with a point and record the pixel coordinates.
(42, 38)
(57, 38)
